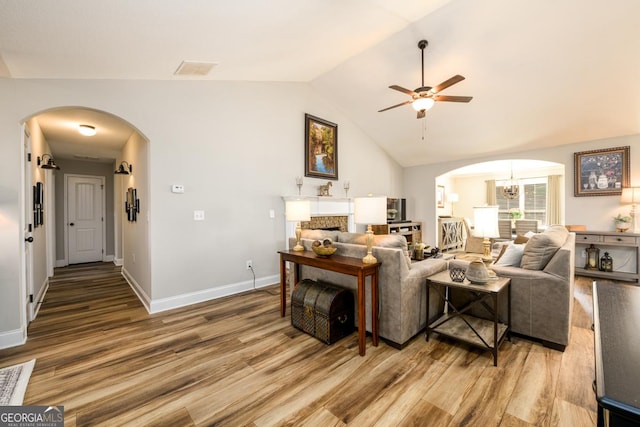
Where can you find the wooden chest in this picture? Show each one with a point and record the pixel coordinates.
(322, 310)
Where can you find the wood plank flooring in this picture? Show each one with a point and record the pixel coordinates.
(235, 362)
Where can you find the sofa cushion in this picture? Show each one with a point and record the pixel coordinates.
(512, 256)
(381, 241)
(541, 247)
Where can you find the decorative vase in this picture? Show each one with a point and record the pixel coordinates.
(477, 272)
(603, 182)
(622, 226)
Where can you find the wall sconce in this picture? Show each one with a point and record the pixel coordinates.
(124, 169)
(47, 162)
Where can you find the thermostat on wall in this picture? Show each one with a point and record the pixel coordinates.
(177, 188)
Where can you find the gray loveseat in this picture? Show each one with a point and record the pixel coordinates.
(541, 288)
(402, 284)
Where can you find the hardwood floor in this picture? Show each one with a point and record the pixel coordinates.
(234, 361)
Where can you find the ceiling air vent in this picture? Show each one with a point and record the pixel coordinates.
(194, 68)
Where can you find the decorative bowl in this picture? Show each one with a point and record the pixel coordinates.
(323, 248)
(457, 274)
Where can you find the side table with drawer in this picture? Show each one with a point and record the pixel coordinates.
(455, 323)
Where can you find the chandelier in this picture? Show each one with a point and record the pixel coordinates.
(511, 190)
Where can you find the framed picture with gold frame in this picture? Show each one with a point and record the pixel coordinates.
(601, 172)
(320, 148)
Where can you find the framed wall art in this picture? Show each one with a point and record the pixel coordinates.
(132, 205)
(320, 148)
(601, 172)
(440, 196)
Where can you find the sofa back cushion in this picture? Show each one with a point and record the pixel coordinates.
(319, 234)
(542, 247)
(380, 241)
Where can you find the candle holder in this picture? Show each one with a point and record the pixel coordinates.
(346, 188)
(299, 183)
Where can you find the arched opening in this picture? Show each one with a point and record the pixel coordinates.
(540, 194)
(81, 216)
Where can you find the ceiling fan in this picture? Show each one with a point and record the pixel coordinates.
(424, 97)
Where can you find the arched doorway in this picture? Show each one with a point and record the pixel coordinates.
(541, 195)
(89, 163)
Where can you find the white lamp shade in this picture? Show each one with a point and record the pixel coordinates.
(422, 104)
(630, 196)
(370, 210)
(298, 210)
(453, 197)
(485, 221)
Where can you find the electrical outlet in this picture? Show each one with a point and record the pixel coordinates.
(249, 265)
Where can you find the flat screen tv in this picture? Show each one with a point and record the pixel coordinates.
(396, 210)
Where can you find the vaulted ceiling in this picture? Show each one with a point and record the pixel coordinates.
(541, 73)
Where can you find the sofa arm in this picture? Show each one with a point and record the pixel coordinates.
(426, 268)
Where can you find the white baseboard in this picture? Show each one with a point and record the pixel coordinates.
(61, 263)
(13, 338)
(164, 304)
(118, 261)
(40, 297)
(140, 293)
(108, 258)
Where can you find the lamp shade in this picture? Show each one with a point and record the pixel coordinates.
(370, 210)
(485, 221)
(422, 104)
(453, 197)
(630, 196)
(298, 210)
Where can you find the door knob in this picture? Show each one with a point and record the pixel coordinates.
(71, 224)
(29, 239)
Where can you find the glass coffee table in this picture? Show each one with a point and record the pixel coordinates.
(458, 324)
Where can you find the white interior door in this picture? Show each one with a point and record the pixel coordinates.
(85, 218)
(28, 227)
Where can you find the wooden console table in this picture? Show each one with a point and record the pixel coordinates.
(617, 351)
(340, 264)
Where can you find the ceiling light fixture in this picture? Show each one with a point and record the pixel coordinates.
(423, 104)
(511, 190)
(124, 169)
(47, 162)
(87, 130)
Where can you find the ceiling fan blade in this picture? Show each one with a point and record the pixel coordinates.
(403, 90)
(397, 105)
(445, 84)
(450, 98)
(421, 114)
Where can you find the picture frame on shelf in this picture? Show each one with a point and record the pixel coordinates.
(440, 196)
(320, 148)
(601, 172)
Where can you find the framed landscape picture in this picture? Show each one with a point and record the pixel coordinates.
(320, 148)
(440, 196)
(601, 172)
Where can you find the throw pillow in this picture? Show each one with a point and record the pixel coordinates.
(520, 239)
(503, 248)
(512, 256)
(542, 247)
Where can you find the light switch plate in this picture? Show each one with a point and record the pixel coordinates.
(198, 215)
(177, 188)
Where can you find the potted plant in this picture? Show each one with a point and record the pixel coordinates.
(623, 222)
(391, 213)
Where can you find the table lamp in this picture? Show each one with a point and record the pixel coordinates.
(631, 196)
(453, 198)
(370, 210)
(485, 225)
(298, 210)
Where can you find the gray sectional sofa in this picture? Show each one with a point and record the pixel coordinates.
(541, 288)
(402, 298)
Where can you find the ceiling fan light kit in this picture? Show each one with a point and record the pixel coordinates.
(424, 97)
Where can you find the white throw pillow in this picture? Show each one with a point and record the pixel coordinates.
(512, 256)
